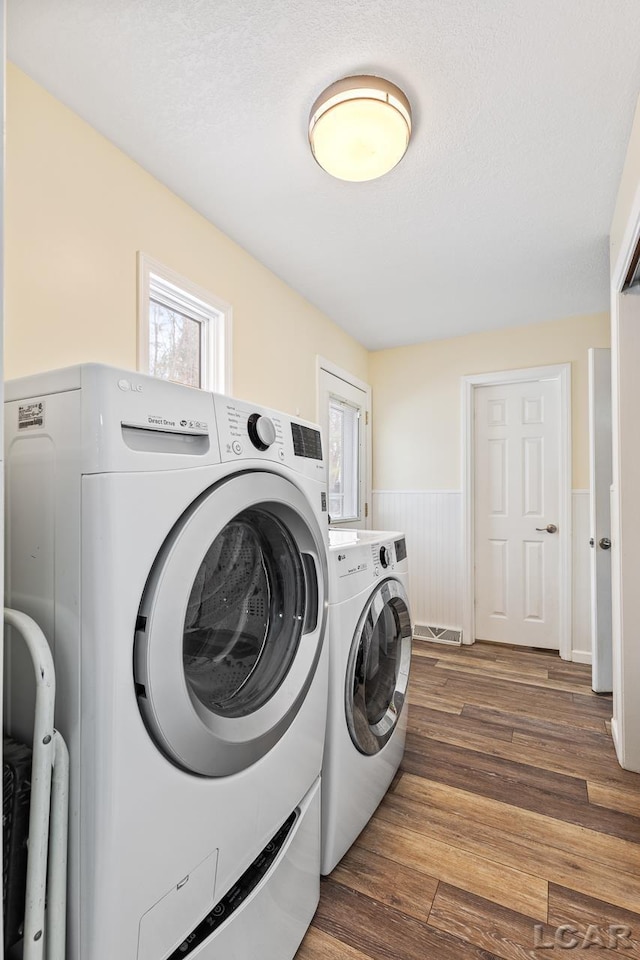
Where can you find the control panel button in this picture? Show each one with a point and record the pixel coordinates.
(236, 446)
(281, 453)
(261, 430)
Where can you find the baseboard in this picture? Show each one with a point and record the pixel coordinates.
(615, 738)
(581, 656)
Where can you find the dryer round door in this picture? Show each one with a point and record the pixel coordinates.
(378, 668)
(231, 624)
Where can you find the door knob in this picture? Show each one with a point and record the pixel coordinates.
(592, 542)
(605, 543)
(550, 528)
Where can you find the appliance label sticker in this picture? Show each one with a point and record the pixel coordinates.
(195, 424)
(31, 415)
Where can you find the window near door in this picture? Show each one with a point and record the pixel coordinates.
(183, 331)
(344, 467)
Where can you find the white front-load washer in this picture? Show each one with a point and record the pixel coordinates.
(369, 660)
(171, 543)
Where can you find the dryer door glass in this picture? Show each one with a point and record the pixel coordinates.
(244, 615)
(378, 668)
(231, 624)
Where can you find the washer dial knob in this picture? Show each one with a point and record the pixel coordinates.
(385, 559)
(262, 432)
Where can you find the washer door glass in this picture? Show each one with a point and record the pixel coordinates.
(378, 668)
(244, 615)
(231, 624)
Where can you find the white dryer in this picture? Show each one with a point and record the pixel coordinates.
(171, 543)
(369, 659)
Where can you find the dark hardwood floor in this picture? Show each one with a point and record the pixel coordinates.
(509, 818)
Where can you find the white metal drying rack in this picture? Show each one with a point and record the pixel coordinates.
(49, 812)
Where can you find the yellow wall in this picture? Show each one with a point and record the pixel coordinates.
(629, 185)
(416, 396)
(78, 210)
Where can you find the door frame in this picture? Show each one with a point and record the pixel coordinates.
(562, 373)
(602, 672)
(625, 523)
(329, 367)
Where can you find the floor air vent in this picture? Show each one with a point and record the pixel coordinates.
(437, 634)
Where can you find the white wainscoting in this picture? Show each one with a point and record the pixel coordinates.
(432, 522)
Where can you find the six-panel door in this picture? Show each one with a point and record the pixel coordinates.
(517, 505)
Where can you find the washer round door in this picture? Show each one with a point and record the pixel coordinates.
(378, 668)
(231, 624)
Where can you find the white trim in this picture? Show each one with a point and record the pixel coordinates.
(575, 490)
(329, 367)
(616, 737)
(457, 493)
(581, 656)
(624, 530)
(217, 366)
(562, 373)
(323, 364)
(627, 246)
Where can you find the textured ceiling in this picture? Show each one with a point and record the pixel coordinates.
(497, 216)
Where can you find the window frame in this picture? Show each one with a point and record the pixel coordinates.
(352, 449)
(164, 285)
(324, 366)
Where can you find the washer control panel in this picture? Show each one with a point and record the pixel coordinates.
(385, 555)
(243, 431)
(358, 560)
(383, 558)
(248, 432)
(261, 430)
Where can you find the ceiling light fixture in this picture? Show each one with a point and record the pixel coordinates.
(360, 127)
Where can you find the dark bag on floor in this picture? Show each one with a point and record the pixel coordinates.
(15, 820)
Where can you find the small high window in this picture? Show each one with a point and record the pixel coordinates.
(184, 332)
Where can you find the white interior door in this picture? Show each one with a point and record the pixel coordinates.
(518, 538)
(600, 506)
(343, 414)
